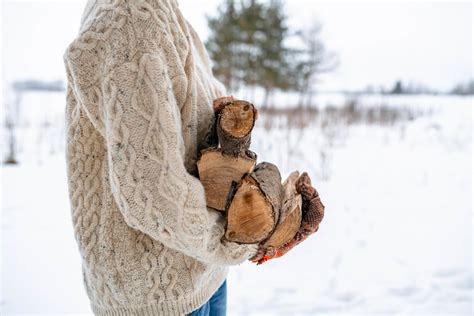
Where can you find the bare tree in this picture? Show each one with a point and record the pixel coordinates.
(315, 60)
(12, 110)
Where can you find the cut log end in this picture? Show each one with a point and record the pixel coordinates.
(234, 125)
(250, 215)
(255, 207)
(237, 118)
(217, 171)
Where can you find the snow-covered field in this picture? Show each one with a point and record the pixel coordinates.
(396, 238)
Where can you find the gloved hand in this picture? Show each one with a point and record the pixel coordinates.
(220, 102)
(312, 215)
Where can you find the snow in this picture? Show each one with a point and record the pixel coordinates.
(41, 263)
(396, 237)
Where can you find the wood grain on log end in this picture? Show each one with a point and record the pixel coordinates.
(237, 118)
(217, 171)
(234, 126)
(250, 214)
(253, 212)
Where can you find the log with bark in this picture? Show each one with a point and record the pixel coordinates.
(217, 171)
(258, 207)
(263, 210)
(253, 209)
(235, 121)
(290, 214)
(232, 159)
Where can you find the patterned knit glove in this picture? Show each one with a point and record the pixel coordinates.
(312, 215)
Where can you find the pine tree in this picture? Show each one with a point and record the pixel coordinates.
(248, 46)
(398, 88)
(274, 57)
(222, 44)
(251, 26)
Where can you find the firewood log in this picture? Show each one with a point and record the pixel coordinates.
(217, 171)
(253, 209)
(258, 207)
(218, 167)
(235, 121)
(290, 215)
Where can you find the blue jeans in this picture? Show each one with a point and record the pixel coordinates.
(216, 305)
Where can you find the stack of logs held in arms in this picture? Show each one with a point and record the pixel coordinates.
(258, 206)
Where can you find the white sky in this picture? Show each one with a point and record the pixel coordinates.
(377, 43)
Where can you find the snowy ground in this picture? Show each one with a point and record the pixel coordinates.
(396, 238)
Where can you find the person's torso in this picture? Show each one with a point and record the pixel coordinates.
(120, 264)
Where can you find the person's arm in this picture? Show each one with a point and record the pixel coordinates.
(140, 120)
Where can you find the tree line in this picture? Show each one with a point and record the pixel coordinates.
(252, 46)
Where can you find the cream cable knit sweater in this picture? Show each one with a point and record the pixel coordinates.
(139, 97)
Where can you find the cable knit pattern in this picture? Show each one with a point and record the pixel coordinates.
(139, 95)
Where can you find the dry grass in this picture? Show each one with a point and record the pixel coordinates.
(351, 113)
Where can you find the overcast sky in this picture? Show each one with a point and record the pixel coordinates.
(377, 43)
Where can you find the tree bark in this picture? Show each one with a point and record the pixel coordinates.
(217, 167)
(290, 216)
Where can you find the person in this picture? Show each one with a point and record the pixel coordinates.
(139, 94)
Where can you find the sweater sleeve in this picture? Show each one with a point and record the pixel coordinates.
(140, 121)
(150, 183)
